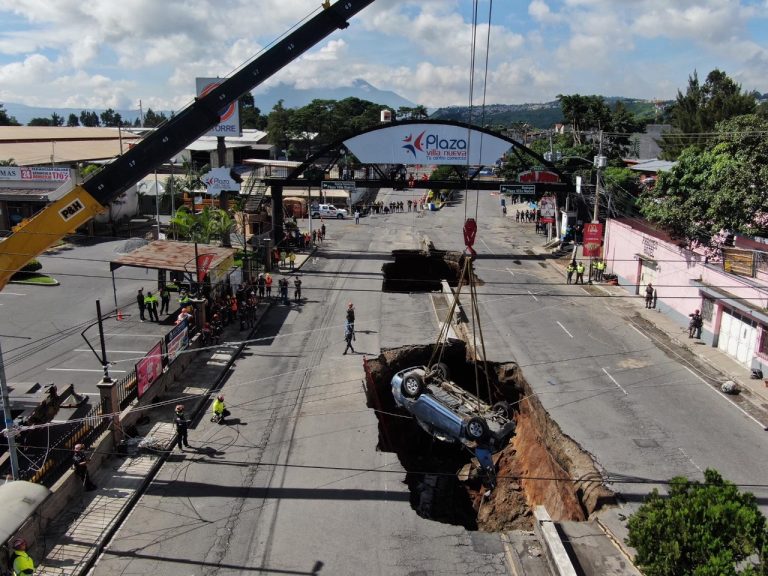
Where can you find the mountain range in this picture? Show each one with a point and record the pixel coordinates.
(540, 115)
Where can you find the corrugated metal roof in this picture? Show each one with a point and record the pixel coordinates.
(653, 166)
(25, 194)
(170, 255)
(59, 133)
(60, 152)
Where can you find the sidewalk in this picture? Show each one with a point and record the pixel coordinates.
(74, 540)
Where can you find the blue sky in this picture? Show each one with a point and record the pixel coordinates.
(103, 53)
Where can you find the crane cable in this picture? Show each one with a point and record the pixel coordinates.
(470, 225)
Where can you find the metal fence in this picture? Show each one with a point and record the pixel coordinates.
(45, 453)
(127, 389)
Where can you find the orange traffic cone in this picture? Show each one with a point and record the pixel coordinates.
(119, 315)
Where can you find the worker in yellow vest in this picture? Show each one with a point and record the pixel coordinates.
(22, 563)
(569, 270)
(580, 273)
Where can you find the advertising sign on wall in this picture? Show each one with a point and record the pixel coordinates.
(548, 209)
(177, 340)
(149, 368)
(35, 173)
(593, 240)
(427, 144)
(229, 122)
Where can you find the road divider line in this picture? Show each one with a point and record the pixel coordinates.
(614, 381)
(564, 328)
(534, 297)
(690, 460)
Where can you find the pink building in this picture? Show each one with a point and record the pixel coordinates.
(732, 295)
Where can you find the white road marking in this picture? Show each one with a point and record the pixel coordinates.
(11, 294)
(690, 460)
(585, 291)
(510, 271)
(487, 247)
(639, 332)
(534, 297)
(82, 370)
(564, 329)
(114, 351)
(724, 397)
(614, 381)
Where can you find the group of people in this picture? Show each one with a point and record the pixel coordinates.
(148, 304)
(526, 216)
(578, 268)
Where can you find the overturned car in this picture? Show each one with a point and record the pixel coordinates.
(450, 413)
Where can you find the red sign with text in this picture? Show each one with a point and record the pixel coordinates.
(593, 240)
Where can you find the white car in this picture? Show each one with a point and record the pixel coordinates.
(328, 211)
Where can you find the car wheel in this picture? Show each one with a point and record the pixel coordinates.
(441, 368)
(340, 216)
(501, 408)
(412, 385)
(316, 215)
(477, 429)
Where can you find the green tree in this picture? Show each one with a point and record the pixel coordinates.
(89, 119)
(6, 120)
(707, 529)
(203, 226)
(278, 126)
(110, 118)
(695, 114)
(584, 113)
(621, 126)
(721, 188)
(250, 115)
(153, 119)
(72, 120)
(40, 122)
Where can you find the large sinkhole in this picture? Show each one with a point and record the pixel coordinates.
(422, 270)
(531, 469)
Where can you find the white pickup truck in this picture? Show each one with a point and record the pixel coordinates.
(328, 211)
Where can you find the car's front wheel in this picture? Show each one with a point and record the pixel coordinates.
(412, 385)
(501, 408)
(477, 429)
(340, 216)
(442, 369)
(316, 215)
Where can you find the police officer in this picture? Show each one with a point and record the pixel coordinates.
(580, 273)
(569, 270)
(165, 300)
(80, 465)
(599, 269)
(183, 298)
(22, 563)
(150, 302)
(182, 424)
(140, 302)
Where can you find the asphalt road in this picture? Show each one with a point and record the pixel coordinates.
(41, 325)
(296, 485)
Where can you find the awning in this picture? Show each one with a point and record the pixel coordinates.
(20, 499)
(170, 255)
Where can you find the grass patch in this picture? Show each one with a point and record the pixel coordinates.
(34, 278)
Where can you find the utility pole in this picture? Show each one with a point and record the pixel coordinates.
(8, 421)
(106, 379)
(600, 161)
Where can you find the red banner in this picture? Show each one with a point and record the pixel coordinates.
(203, 265)
(593, 240)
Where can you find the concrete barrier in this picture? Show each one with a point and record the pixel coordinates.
(545, 530)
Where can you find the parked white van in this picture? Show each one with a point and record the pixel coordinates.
(328, 211)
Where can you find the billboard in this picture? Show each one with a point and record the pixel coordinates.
(35, 173)
(149, 368)
(229, 122)
(593, 240)
(548, 209)
(427, 144)
(177, 340)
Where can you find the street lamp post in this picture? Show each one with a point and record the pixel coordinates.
(8, 421)
(157, 205)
